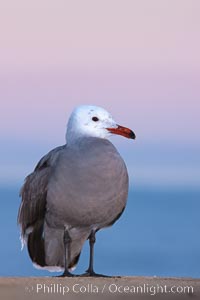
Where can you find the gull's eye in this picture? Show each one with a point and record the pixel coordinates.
(95, 119)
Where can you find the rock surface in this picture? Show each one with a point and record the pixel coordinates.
(98, 288)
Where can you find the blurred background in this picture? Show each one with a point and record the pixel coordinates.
(140, 61)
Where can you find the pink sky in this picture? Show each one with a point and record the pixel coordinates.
(139, 59)
(92, 34)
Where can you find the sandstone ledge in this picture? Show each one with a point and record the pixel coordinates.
(98, 288)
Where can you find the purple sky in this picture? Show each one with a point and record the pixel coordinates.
(138, 59)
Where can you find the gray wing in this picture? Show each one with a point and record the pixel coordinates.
(34, 192)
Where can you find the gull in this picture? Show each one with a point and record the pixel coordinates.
(74, 191)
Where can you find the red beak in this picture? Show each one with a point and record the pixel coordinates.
(120, 130)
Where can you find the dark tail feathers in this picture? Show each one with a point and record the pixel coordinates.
(36, 244)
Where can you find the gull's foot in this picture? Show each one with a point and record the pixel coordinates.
(93, 274)
(67, 274)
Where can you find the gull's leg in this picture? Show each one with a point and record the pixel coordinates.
(67, 253)
(92, 240)
(90, 270)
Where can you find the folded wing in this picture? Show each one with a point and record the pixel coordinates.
(33, 205)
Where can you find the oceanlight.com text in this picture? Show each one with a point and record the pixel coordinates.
(109, 288)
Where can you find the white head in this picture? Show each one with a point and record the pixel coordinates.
(93, 121)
